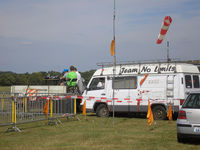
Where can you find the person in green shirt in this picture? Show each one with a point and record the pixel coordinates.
(71, 77)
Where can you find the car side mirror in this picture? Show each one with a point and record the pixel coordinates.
(187, 93)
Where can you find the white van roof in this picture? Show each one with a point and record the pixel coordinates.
(148, 68)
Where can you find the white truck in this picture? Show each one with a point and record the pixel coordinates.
(133, 84)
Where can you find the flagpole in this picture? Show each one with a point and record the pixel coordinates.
(114, 69)
(168, 39)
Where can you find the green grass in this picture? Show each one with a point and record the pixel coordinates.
(96, 133)
(4, 88)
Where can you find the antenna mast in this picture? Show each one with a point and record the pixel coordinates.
(114, 31)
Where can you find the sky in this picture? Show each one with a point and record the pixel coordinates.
(50, 35)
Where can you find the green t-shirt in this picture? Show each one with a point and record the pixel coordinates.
(71, 79)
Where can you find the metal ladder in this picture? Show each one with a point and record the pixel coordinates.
(170, 86)
(170, 90)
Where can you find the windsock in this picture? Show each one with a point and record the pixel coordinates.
(150, 114)
(112, 49)
(165, 26)
(46, 108)
(169, 113)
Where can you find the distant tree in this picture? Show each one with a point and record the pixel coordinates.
(35, 78)
(21, 79)
(54, 73)
(87, 75)
(7, 78)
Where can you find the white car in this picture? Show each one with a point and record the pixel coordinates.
(188, 122)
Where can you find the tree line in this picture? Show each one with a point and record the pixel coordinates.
(36, 78)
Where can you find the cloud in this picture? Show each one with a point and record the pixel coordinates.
(79, 32)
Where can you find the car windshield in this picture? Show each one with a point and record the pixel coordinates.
(192, 101)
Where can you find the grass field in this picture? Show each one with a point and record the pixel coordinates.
(4, 88)
(95, 133)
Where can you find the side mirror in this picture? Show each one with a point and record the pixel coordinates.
(187, 93)
(87, 89)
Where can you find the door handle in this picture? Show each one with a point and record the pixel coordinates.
(103, 94)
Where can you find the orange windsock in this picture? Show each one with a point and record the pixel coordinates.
(46, 108)
(169, 113)
(150, 114)
(84, 108)
(112, 49)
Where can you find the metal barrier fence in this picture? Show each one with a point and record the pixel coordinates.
(18, 110)
(5, 94)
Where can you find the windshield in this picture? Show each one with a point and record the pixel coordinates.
(97, 84)
(192, 101)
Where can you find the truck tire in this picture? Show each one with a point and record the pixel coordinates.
(159, 112)
(102, 110)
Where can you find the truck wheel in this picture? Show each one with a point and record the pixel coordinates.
(159, 112)
(102, 111)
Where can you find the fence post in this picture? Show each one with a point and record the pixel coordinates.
(51, 108)
(24, 104)
(51, 121)
(2, 103)
(13, 111)
(75, 106)
(14, 116)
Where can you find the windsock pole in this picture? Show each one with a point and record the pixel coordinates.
(168, 59)
(114, 68)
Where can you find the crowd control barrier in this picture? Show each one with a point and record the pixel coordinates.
(18, 110)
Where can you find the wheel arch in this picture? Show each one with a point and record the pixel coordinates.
(159, 104)
(97, 104)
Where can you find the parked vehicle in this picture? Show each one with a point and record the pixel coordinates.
(188, 122)
(132, 85)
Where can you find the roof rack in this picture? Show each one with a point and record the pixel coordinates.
(109, 64)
